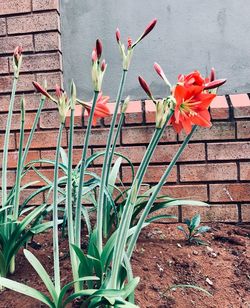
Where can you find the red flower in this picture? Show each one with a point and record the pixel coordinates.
(192, 79)
(191, 106)
(101, 109)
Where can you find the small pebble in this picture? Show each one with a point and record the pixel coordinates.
(178, 245)
(209, 281)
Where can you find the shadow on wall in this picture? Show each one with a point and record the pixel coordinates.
(193, 35)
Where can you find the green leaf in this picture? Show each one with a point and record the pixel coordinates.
(113, 174)
(42, 273)
(195, 221)
(202, 229)
(26, 290)
(158, 217)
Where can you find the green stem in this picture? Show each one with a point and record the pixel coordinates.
(6, 143)
(101, 207)
(19, 166)
(155, 193)
(27, 146)
(82, 171)
(117, 134)
(129, 207)
(69, 204)
(55, 215)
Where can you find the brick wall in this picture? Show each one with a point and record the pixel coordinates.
(214, 168)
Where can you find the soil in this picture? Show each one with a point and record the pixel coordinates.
(162, 259)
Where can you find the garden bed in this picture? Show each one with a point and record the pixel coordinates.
(163, 259)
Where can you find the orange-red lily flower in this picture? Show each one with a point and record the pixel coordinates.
(191, 106)
(101, 108)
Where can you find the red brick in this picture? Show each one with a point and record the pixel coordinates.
(38, 200)
(218, 131)
(4, 65)
(107, 120)
(44, 139)
(98, 137)
(50, 154)
(229, 150)
(15, 123)
(241, 104)
(245, 212)
(143, 135)
(43, 62)
(2, 26)
(134, 113)
(193, 152)
(31, 102)
(192, 192)
(49, 119)
(14, 6)
(12, 143)
(134, 154)
(219, 108)
(218, 212)
(78, 117)
(152, 175)
(230, 192)
(53, 79)
(32, 176)
(44, 5)
(33, 23)
(4, 103)
(11, 178)
(245, 171)
(25, 83)
(208, 172)
(243, 130)
(9, 43)
(47, 41)
(13, 157)
(150, 111)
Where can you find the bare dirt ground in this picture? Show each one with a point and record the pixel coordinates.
(163, 259)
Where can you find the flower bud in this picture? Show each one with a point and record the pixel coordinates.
(148, 29)
(94, 56)
(160, 72)
(118, 35)
(129, 42)
(145, 86)
(72, 94)
(125, 104)
(98, 48)
(103, 65)
(214, 84)
(212, 74)
(17, 54)
(41, 90)
(58, 91)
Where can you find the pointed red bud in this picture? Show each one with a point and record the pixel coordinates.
(98, 48)
(145, 86)
(94, 55)
(118, 35)
(212, 74)
(103, 65)
(129, 42)
(158, 70)
(149, 28)
(58, 91)
(214, 84)
(40, 89)
(17, 53)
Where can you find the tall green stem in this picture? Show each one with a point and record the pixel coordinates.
(69, 203)
(6, 142)
(19, 165)
(55, 215)
(101, 207)
(129, 206)
(82, 171)
(27, 146)
(155, 193)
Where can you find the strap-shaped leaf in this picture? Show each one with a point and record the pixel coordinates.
(42, 274)
(26, 290)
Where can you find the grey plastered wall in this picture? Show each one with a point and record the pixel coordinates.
(190, 34)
